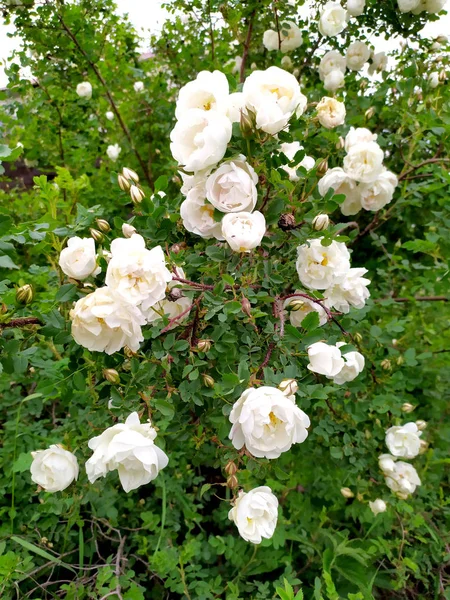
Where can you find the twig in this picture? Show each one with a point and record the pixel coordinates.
(266, 360)
(246, 47)
(417, 299)
(23, 322)
(277, 23)
(175, 319)
(428, 161)
(211, 31)
(373, 223)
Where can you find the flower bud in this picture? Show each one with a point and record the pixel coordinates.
(442, 75)
(230, 468)
(386, 364)
(369, 112)
(3, 308)
(400, 360)
(321, 222)
(204, 346)
(128, 352)
(407, 407)
(232, 482)
(208, 381)
(286, 62)
(247, 122)
(124, 184)
(340, 144)
(358, 337)
(286, 222)
(111, 375)
(347, 492)
(103, 225)
(288, 387)
(137, 194)
(128, 230)
(421, 425)
(322, 167)
(246, 306)
(97, 235)
(126, 365)
(442, 39)
(25, 294)
(296, 73)
(423, 446)
(295, 305)
(130, 174)
(363, 84)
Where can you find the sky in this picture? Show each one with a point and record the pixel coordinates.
(150, 15)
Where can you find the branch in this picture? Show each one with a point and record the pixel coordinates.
(277, 23)
(246, 47)
(266, 360)
(175, 319)
(417, 299)
(429, 161)
(22, 322)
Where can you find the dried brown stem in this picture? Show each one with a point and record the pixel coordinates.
(22, 322)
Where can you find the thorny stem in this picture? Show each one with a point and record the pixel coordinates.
(246, 47)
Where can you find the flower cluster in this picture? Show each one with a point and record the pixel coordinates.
(418, 6)
(288, 38)
(329, 361)
(333, 65)
(364, 181)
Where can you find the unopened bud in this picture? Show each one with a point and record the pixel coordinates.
(296, 305)
(103, 225)
(340, 144)
(407, 407)
(204, 346)
(246, 306)
(423, 446)
(128, 352)
(126, 365)
(286, 222)
(96, 235)
(3, 308)
(321, 222)
(286, 62)
(421, 425)
(25, 294)
(137, 194)
(208, 381)
(124, 184)
(369, 112)
(288, 386)
(296, 73)
(363, 84)
(230, 468)
(232, 482)
(442, 39)
(347, 492)
(400, 360)
(130, 174)
(111, 375)
(386, 364)
(322, 167)
(247, 122)
(442, 75)
(128, 230)
(358, 337)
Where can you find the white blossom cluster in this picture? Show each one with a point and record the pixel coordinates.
(418, 6)
(364, 180)
(288, 38)
(334, 17)
(333, 65)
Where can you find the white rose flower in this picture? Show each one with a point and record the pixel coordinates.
(334, 80)
(104, 323)
(235, 105)
(304, 306)
(434, 6)
(350, 290)
(379, 63)
(199, 139)
(386, 462)
(331, 61)
(319, 266)
(358, 135)
(407, 5)
(172, 306)
(404, 440)
(255, 514)
(268, 422)
(79, 260)
(139, 276)
(286, 62)
(232, 187)
(325, 360)
(290, 150)
(357, 55)
(274, 96)
(378, 506)
(243, 230)
(364, 162)
(290, 36)
(355, 8)
(433, 79)
(209, 91)
(138, 86)
(354, 364)
(113, 152)
(109, 115)
(330, 112)
(332, 19)
(190, 181)
(129, 448)
(128, 230)
(403, 479)
(341, 183)
(198, 215)
(380, 192)
(54, 469)
(271, 41)
(84, 90)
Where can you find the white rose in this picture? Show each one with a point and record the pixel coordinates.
(198, 215)
(255, 514)
(350, 290)
(104, 323)
(332, 19)
(334, 80)
(379, 63)
(407, 5)
(331, 61)
(403, 479)
(364, 162)
(404, 440)
(173, 306)
(341, 183)
(286, 62)
(243, 230)
(357, 55)
(128, 230)
(325, 360)
(380, 192)
(138, 86)
(190, 181)
(433, 79)
(290, 150)
(54, 469)
(319, 266)
(139, 276)
(271, 41)
(235, 105)
(209, 91)
(129, 448)
(113, 152)
(109, 115)
(84, 90)
(358, 135)
(354, 364)
(232, 187)
(355, 8)
(199, 139)
(330, 112)
(78, 260)
(434, 6)
(274, 96)
(293, 38)
(268, 422)
(304, 306)
(386, 462)
(378, 506)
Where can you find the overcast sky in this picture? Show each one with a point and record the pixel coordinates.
(149, 16)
